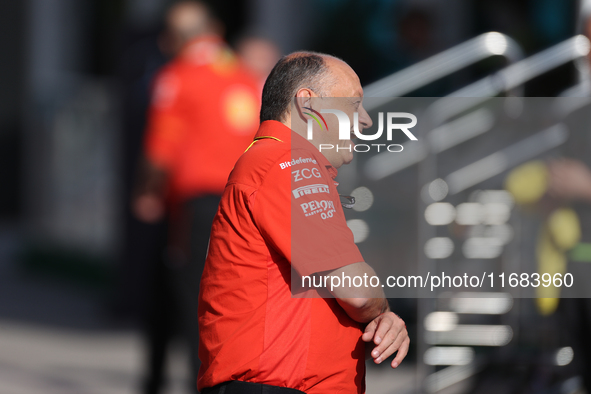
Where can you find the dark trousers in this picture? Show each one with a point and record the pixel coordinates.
(188, 262)
(162, 322)
(161, 313)
(239, 387)
(178, 289)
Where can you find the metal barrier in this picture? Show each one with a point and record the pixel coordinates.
(383, 165)
(443, 64)
(527, 69)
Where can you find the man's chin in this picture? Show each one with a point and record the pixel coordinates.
(347, 159)
(348, 156)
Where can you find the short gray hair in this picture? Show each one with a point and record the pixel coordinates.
(291, 73)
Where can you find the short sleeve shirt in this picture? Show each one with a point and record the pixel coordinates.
(280, 211)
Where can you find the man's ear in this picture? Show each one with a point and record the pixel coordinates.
(303, 99)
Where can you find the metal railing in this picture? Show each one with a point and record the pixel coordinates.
(383, 164)
(443, 64)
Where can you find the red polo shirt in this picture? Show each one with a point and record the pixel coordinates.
(280, 210)
(203, 114)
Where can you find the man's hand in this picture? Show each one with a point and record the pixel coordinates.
(368, 304)
(569, 179)
(362, 304)
(148, 208)
(148, 200)
(388, 333)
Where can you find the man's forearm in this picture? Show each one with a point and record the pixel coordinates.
(364, 310)
(364, 303)
(151, 179)
(148, 197)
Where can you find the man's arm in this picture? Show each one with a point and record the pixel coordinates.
(364, 303)
(148, 197)
(367, 304)
(164, 134)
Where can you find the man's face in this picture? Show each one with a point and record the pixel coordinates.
(346, 95)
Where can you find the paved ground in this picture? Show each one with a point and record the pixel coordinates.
(35, 360)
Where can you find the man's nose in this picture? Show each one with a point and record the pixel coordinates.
(364, 119)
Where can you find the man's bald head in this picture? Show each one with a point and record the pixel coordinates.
(292, 72)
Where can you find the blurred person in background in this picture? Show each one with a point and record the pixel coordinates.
(570, 182)
(202, 116)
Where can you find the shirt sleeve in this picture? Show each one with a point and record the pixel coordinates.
(299, 214)
(165, 126)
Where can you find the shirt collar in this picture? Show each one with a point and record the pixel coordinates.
(273, 128)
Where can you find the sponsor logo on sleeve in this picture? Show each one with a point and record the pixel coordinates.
(306, 173)
(310, 189)
(294, 162)
(323, 207)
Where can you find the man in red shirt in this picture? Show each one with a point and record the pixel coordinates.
(280, 216)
